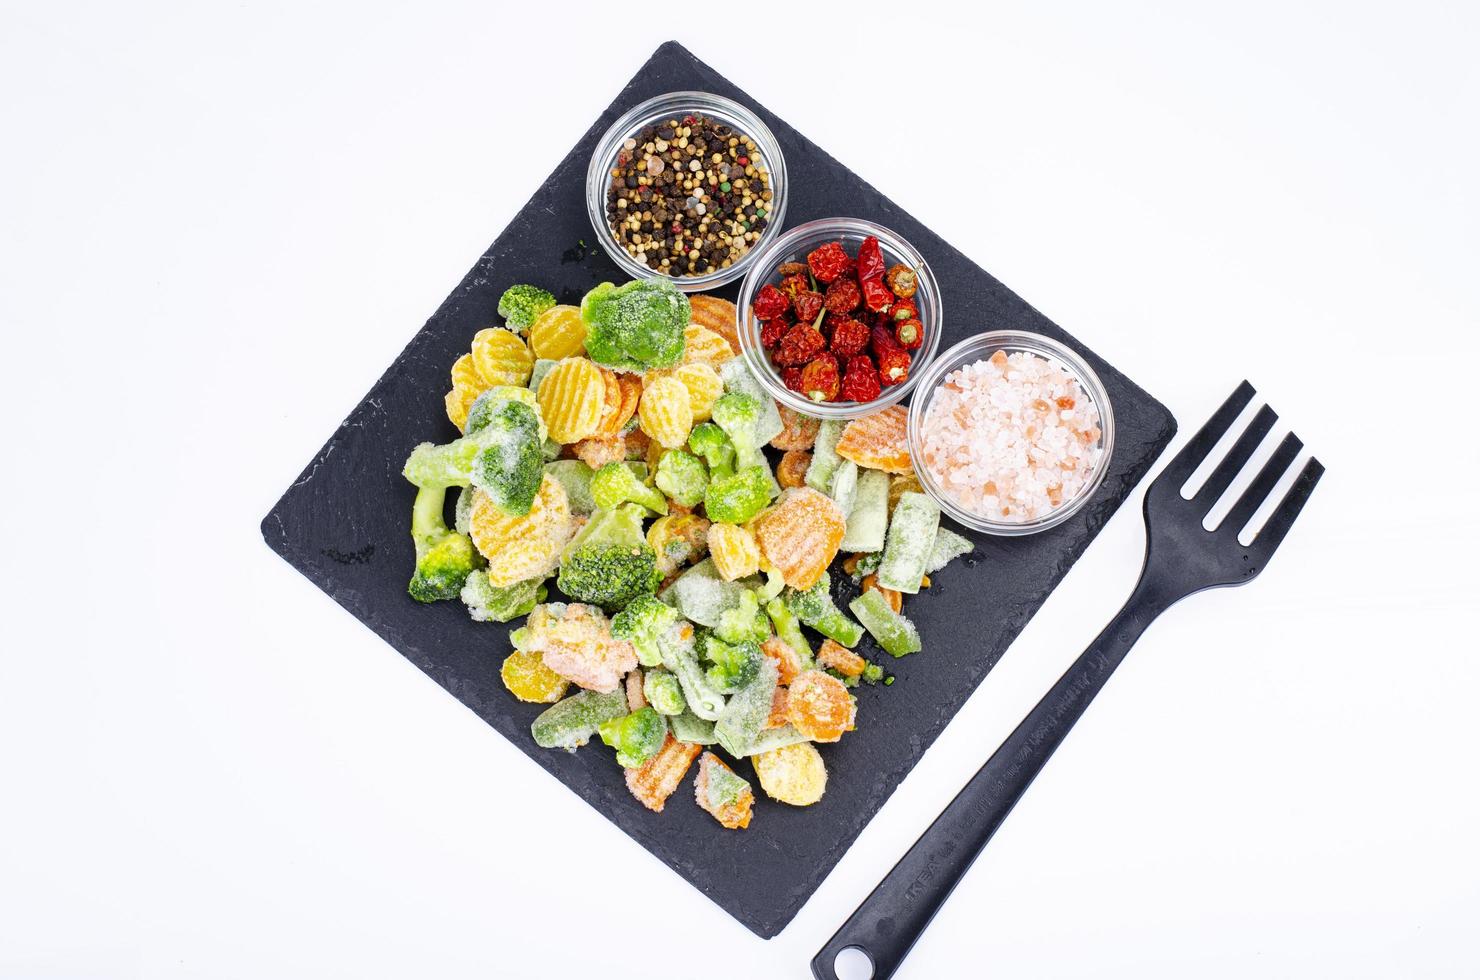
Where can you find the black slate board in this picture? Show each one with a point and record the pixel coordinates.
(344, 524)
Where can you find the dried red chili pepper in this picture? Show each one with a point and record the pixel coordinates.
(793, 284)
(870, 260)
(904, 309)
(842, 296)
(773, 331)
(791, 269)
(792, 378)
(808, 305)
(769, 303)
(881, 338)
(801, 344)
(849, 337)
(821, 379)
(828, 262)
(894, 365)
(876, 295)
(901, 279)
(909, 333)
(861, 382)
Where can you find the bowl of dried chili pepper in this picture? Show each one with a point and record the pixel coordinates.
(838, 317)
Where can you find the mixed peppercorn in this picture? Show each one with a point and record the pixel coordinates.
(840, 327)
(688, 196)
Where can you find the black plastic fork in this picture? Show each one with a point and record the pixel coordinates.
(1182, 558)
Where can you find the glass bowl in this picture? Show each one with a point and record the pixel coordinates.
(983, 346)
(793, 247)
(656, 110)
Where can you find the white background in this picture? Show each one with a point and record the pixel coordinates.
(222, 221)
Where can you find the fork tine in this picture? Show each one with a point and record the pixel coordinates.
(1278, 525)
(1219, 480)
(1269, 475)
(1182, 465)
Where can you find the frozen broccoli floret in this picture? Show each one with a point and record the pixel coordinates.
(815, 608)
(735, 664)
(644, 620)
(444, 558)
(486, 405)
(789, 629)
(737, 414)
(872, 674)
(521, 304)
(736, 499)
(709, 440)
(615, 484)
(636, 737)
(499, 604)
(663, 692)
(608, 562)
(637, 326)
(744, 622)
(682, 477)
(503, 459)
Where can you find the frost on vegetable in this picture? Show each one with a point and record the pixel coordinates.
(745, 714)
(678, 540)
(575, 477)
(657, 779)
(682, 476)
(911, 539)
(737, 377)
(577, 644)
(521, 304)
(528, 679)
(736, 499)
(641, 623)
(709, 441)
(681, 657)
(733, 665)
(702, 595)
(615, 484)
(663, 692)
(870, 516)
(502, 458)
(609, 562)
(499, 604)
(722, 794)
(845, 486)
(789, 629)
(792, 774)
(570, 724)
(815, 608)
(825, 458)
(637, 326)
(444, 558)
(689, 727)
(637, 737)
(895, 634)
(947, 548)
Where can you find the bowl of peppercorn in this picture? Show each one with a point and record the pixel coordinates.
(688, 186)
(838, 317)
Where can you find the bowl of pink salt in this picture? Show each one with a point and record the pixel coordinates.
(1010, 432)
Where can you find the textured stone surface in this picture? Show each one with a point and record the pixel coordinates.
(343, 524)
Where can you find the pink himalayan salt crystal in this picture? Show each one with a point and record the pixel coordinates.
(1011, 438)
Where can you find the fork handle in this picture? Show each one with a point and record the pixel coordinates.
(894, 916)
